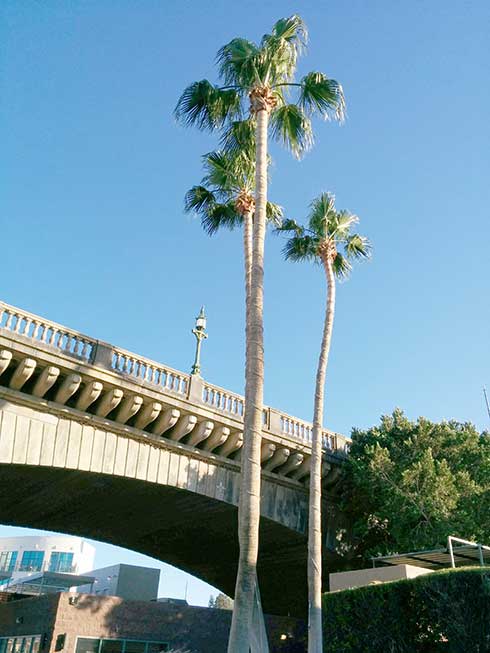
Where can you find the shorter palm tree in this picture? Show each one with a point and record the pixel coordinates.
(225, 197)
(327, 232)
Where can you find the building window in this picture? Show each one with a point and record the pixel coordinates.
(62, 562)
(90, 645)
(8, 560)
(20, 644)
(32, 561)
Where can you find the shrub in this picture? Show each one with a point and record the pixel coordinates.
(445, 611)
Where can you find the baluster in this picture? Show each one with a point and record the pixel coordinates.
(8, 323)
(20, 325)
(69, 343)
(26, 327)
(18, 322)
(2, 312)
(83, 352)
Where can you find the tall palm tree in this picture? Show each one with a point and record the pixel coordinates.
(328, 230)
(260, 74)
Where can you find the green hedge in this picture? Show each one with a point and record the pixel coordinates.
(444, 611)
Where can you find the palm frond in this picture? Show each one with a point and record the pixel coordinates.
(341, 266)
(291, 127)
(281, 49)
(290, 225)
(220, 216)
(227, 172)
(239, 63)
(301, 248)
(274, 213)
(357, 246)
(199, 199)
(293, 30)
(323, 95)
(280, 60)
(322, 219)
(206, 106)
(239, 137)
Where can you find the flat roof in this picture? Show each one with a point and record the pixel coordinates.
(53, 578)
(464, 555)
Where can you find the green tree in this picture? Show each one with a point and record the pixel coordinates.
(410, 484)
(328, 231)
(255, 79)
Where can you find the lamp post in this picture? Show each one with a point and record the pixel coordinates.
(200, 332)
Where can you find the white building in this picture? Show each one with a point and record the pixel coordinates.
(20, 556)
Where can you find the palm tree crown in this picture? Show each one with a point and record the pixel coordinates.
(327, 232)
(225, 194)
(263, 75)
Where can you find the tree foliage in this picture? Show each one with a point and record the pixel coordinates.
(411, 484)
(220, 602)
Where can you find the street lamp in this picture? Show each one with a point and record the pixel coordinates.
(200, 332)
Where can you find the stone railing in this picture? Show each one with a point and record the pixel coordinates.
(167, 380)
(46, 332)
(147, 370)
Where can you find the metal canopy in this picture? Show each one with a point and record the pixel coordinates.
(464, 554)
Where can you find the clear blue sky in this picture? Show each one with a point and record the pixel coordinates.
(94, 169)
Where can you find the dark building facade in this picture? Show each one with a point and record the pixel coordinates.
(87, 623)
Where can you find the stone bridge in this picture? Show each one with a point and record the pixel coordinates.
(102, 443)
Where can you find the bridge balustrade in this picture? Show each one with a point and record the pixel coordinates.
(292, 434)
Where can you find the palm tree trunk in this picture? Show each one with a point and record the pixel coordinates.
(249, 508)
(247, 254)
(315, 636)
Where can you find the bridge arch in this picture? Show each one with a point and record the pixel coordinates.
(62, 475)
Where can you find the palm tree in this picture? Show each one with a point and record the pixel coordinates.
(260, 75)
(225, 199)
(328, 230)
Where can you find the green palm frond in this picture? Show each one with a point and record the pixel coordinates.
(199, 199)
(291, 226)
(341, 266)
(240, 63)
(357, 246)
(281, 49)
(228, 173)
(206, 106)
(274, 213)
(301, 248)
(239, 137)
(323, 219)
(291, 127)
(219, 216)
(342, 224)
(323, 95)
(293, 30)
